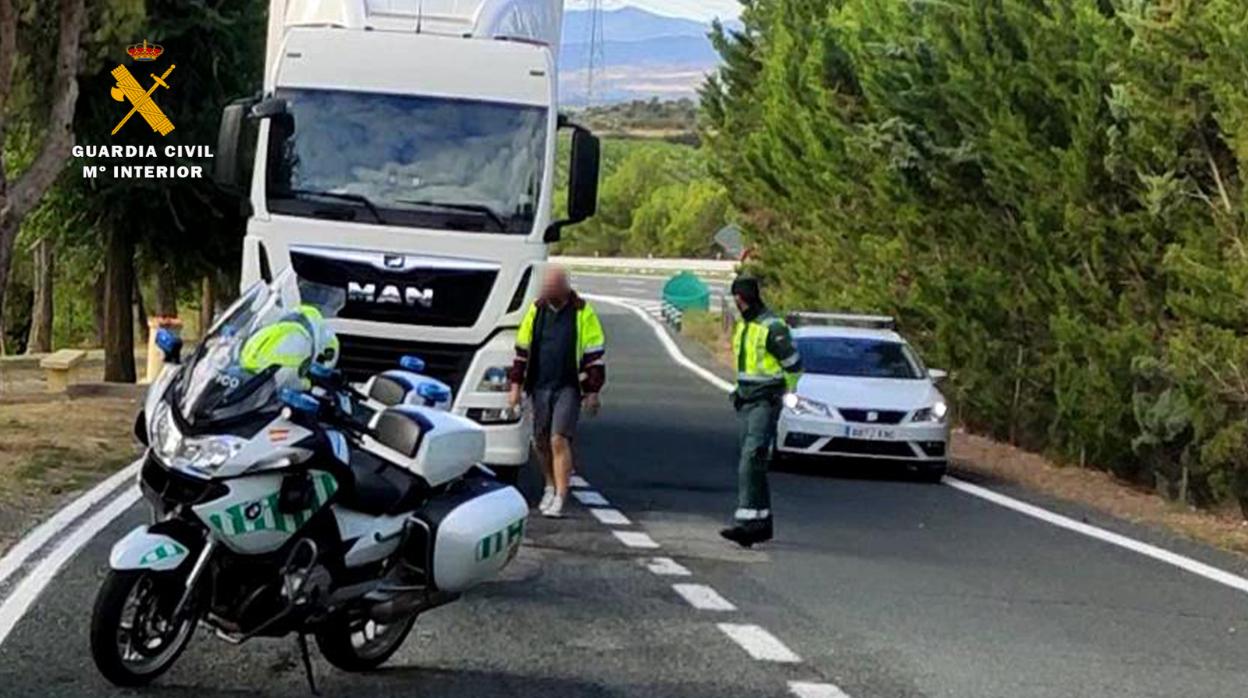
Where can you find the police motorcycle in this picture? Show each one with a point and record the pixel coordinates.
(285, 501)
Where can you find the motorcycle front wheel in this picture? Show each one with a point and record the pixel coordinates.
(361, 644)
(134, 637)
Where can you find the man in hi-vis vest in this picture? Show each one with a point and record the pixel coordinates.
(768, 366)
(561, 365)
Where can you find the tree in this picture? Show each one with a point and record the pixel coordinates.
(19, 194)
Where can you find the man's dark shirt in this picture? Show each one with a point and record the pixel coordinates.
(555, 350)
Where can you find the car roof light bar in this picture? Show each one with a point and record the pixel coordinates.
(868, 322)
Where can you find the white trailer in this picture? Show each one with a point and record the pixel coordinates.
(405, 151)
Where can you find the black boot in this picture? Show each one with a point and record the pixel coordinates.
(749, 533)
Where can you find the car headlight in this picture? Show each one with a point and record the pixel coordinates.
(936, 413)
(494, 380)
(803, 405)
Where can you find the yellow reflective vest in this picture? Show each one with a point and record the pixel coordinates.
(765, 355)
(590, 346)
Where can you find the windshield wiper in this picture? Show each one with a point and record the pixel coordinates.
(343, 196)
(479, 209)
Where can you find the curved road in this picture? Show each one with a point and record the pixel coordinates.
(876, 586)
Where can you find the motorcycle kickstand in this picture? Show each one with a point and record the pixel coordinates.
(302, 641)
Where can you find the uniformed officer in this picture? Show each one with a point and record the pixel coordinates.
(768, 366)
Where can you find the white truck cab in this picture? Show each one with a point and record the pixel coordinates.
(404, 150)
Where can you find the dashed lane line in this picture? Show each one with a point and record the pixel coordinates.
(703, 598)
(812, 689)
(610, 517)
(759, 643)
(578, 481)
(590, 498)
(1182, 562)
(635, 539)
(665, 567)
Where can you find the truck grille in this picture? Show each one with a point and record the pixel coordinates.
(365, 356)
(433, 295)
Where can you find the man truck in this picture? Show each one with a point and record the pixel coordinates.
(404, 150)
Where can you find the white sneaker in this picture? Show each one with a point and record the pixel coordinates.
(547, 495)
(554, 510)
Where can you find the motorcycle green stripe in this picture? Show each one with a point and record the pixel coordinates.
(234, 521)
(163, 551)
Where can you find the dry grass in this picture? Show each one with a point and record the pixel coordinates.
(1224, 529)
(51, 449)
(708, 330)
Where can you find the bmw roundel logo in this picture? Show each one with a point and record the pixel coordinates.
(252, 512)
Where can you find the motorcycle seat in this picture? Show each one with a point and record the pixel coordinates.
(380, 488)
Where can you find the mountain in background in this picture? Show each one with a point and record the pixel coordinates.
(644, 55)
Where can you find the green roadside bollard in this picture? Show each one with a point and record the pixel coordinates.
(686, 292)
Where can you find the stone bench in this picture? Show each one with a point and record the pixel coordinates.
(60, 366)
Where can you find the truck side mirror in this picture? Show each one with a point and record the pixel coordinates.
(582, 181)
(235, 147)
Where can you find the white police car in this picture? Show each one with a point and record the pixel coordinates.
(864, 393)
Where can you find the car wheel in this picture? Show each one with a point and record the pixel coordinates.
(933, 472)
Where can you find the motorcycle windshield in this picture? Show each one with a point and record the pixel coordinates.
(262, 343)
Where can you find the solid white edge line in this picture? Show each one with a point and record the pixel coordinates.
(703, 597)
(665, 567)
(635, 539)
(1183, 562)
(590, 498)
(38, 537)
(814, 689)
(1148, 550)
(610, 517)
(27, 592)
(759, 643)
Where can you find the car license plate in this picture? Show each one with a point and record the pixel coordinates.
(871, 433)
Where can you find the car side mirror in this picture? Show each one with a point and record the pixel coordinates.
(582, 180)
(937, 374)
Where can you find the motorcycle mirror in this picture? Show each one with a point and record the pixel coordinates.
(170, 344)
(415, 364)
(433, 393)
(298, 401)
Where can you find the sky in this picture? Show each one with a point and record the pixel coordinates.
(704, 10)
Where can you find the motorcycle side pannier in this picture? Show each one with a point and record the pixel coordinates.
(467, 535)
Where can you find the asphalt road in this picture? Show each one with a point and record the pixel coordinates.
(876, 585)
(647, 289)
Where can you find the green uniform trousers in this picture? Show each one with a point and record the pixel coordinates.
(756, 421)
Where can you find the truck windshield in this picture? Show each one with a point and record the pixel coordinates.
(427, 162)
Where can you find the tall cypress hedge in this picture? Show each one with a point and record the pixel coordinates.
(1048, 194)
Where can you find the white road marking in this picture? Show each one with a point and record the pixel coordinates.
(25, 593)
(811, 689)
(635, 539)
(1183, 562)
(610, 517)
(590, 498)
(44, 532)
(578, 481)
(759, 643)
(665, 567)
(703, 598)
(625, 281)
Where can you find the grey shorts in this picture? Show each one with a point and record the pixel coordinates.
(556, 412)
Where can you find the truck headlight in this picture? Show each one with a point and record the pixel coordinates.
(803, 405)
(935, 414)
(494, 380)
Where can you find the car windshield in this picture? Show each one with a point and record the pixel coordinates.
(216, 384)
(429, 162)
(860, 357)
